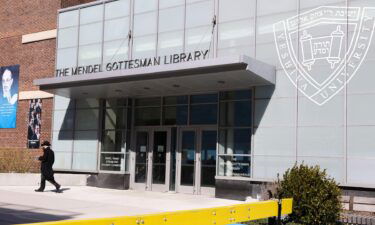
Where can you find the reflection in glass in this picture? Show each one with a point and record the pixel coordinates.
(187, 158)
(234, 141)
(175, 115)
(114, 118)
(208, 158)
(234, 166)
(235, 95)
(203, 114)
(209, 98)
(159, 157)
(112, 141)
(141, 157)
(237, 113)
(175, 100)
(147, 116)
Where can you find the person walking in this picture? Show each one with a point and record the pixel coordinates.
(47, 160)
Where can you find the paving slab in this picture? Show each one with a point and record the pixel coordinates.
(20, 204)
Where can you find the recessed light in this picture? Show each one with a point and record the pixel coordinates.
(221, 82)
(146, 88)
(85, 93)
(176, 85)
(118, 91)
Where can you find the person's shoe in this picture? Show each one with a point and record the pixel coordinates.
(58, 186)
(38, 190)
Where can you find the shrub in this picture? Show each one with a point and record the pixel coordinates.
(18, 161)
(316, 197)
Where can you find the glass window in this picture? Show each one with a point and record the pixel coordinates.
(90, 54)
(203, 114)
(66, 58)
(91, 14)
(115, 118)
(170, 43)
(87, 103)
(241, 9)
(170, 3)
(239, 33)
(91, 33)
(115, 50)
(235, 95)
(112, 141)
(234, 141)
(168, 24)
(68, 19)
(147, 116)
(145, 5)
(175, 115)
(175, 100)
(209, 98)
(234, 166)
(87, 119)
(198, 38)
(145, 24)
(115, 102)
(112, 162)
(84, 161)
(199, 14)
(148, 102)
(116, 29)
(117, 9)
(144, 47)
(68, 37)
(237, 113)
(85, 141)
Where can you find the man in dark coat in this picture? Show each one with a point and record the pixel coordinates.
(47, 160)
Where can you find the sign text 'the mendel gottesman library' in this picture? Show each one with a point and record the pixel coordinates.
(133, 64)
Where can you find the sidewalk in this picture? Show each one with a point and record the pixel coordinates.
(23, 205)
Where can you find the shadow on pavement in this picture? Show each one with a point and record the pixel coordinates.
(17, 214)
(61, 190)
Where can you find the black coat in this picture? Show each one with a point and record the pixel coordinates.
(47, 159)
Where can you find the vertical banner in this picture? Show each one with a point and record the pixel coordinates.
(9, 96)
(34, 124)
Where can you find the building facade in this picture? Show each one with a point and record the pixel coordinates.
(195, 96)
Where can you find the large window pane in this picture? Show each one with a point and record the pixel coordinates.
(144, 47)
(234, 166)
(170, 3)
(170, 43)
(236, 113)
(91, 33)
(66, 58)
(87, 119)
(148, 102)
(114, 118)
(147, 116)
(145, 24)
(234, 141)
(240, 9)
(203, 98)
(85, 141)
(198, 38)
(203, 114)
(115, 51)
(175, 115)
(145, 5)
(68, 37)
(90, 54)
(112, 141)
(199, 14)
(168, 24)
(68, 19)
(117, 9)
(235, 95)
(239, 33)
(116, 29)
(91, 14)
(175, 100)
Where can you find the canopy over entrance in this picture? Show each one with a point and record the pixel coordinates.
(183, 78)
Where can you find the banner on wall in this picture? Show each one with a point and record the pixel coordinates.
(34, 124)
(9, 96)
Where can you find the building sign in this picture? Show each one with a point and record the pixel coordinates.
(34, 124)
(113, 162)
(133, 63)
(9, 96)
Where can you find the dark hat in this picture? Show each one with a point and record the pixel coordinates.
(45, 143)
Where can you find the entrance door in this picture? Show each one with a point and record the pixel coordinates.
(196, 161)
(152, 159)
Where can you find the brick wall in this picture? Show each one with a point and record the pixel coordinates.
(69, 3)
(36, 60)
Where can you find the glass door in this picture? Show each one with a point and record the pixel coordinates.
(152, 159)
(196, 161)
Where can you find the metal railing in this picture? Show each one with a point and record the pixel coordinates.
(216, 216)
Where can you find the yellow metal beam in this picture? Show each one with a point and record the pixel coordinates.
(215, 216)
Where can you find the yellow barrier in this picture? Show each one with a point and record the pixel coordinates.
(215, 216)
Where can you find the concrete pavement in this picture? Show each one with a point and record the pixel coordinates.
(23, 205)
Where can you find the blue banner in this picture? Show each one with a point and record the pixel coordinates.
(9, 96)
